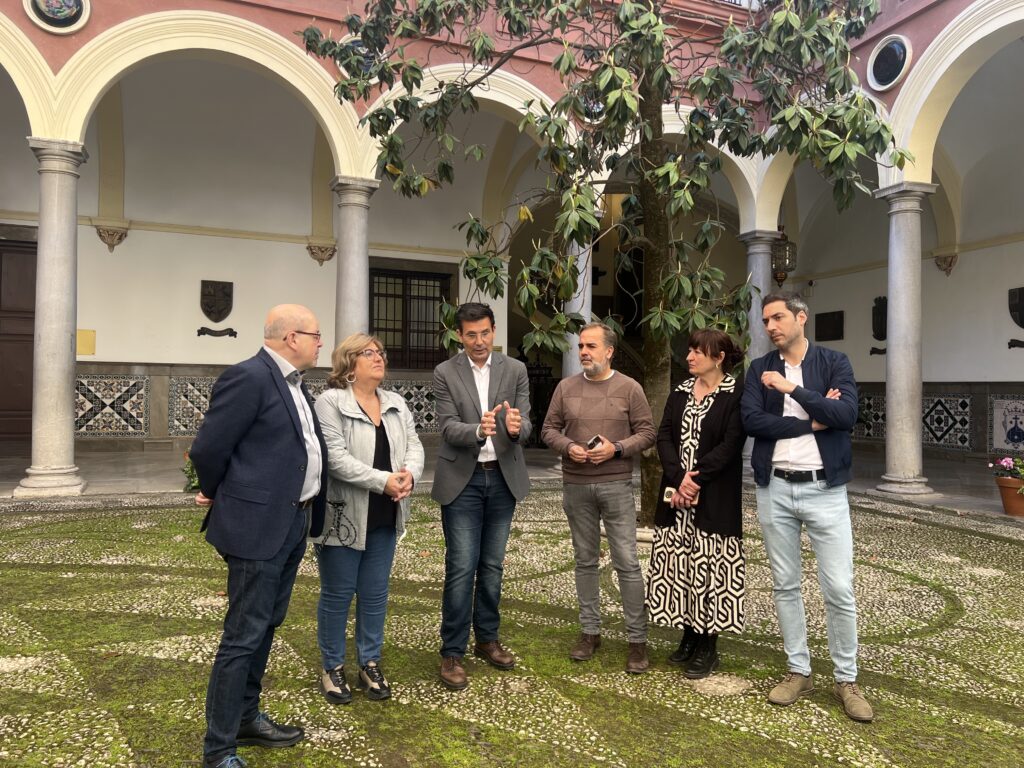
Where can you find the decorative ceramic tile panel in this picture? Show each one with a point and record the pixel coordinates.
(870, 418)
(945, 420)
(1006, 424)
(112, 406)
(419, 396)
(188, 397)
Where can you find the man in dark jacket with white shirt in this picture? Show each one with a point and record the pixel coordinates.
(800, 406)
(262, 466)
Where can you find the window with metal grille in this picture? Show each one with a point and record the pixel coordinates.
(404, 315)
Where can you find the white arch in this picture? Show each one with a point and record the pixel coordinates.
(82, 82)
(740, 172)
(31, 74)
(955, 54)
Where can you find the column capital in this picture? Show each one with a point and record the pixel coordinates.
(351, 190)
(759, 236)
(905, 189)
(58, 150)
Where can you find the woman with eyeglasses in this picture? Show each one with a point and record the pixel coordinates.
(374, 459)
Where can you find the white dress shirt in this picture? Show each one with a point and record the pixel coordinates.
(482, 377)
(314, 461)
(796, 453)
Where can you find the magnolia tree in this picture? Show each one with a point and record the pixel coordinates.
(777, 80)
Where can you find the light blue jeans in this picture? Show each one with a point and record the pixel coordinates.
(346, 573)
(782, 508)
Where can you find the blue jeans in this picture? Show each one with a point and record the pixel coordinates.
(476, 526)
(345, 573)
(586, 506)
(258, 595)
(782, 508)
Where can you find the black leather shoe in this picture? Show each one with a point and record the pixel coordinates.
(687, 647)
(264, 732)
(227, 761)
(704, 661)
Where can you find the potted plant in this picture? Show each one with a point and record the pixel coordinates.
(1009, 474)
(192, 479)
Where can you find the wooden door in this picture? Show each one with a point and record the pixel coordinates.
(17, 313)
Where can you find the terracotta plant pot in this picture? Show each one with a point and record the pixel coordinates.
(1013, 502)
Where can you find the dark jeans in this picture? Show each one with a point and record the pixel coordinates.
(476, 527)
(346, 573)
(258, 595)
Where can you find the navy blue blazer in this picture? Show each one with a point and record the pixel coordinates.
(761, 407)
(251, 460)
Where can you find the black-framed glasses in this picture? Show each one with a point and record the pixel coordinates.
(370, 352)
(314, 334)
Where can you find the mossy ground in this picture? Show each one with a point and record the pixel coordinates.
(109, 621)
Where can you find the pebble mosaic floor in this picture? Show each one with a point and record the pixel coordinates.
(109, 622)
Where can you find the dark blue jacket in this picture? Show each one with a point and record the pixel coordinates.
(251, 460)
(761, 407)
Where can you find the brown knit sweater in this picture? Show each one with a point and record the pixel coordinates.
(615, 408)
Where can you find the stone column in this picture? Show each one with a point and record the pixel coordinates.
(352, 295)
(759, 267)
(903, 386)
(53, 471)
(580, 303)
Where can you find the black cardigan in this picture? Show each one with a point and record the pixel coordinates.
(719, 459)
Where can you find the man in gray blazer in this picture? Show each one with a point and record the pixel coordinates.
(482, 400)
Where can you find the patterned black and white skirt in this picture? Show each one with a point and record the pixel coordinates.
(696, 578)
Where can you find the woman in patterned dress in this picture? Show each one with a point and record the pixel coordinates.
(696, 576)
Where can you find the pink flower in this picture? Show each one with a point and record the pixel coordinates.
(1006, 463)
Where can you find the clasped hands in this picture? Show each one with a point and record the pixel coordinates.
(685, 495)
(775, 380)
(599, 454)
(489, 421)
(399, 484)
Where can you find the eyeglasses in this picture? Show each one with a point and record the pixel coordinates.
(314, 334)
(369, 353)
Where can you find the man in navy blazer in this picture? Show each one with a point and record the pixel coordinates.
(262, 466)
(800, 406)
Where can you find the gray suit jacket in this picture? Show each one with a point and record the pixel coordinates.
(458, 414)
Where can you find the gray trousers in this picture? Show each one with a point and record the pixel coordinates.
(586, 506)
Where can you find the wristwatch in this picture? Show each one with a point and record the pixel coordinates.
(618, 450)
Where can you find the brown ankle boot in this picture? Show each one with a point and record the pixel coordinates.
(636, 662)
(585, 647)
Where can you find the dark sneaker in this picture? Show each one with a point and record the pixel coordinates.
(228, 761)
(334, 686)
(453, 674)
(854, 704)
(371, 679)
(636, 661)
(585, 647)
(261, 731)
(793, 686)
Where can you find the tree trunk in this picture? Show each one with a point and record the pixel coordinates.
(657, 352)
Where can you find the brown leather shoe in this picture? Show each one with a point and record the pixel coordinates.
(453, 674)
(636, 662)
(585, 647)
(495, 655)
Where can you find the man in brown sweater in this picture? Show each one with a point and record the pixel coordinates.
(598, 421)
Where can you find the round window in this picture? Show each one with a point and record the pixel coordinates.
(889, 62)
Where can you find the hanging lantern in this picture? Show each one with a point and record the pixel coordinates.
(783, 257)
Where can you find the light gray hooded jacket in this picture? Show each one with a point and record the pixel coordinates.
(351, 439)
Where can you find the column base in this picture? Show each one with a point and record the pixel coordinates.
(904, 486)
(50, 481)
